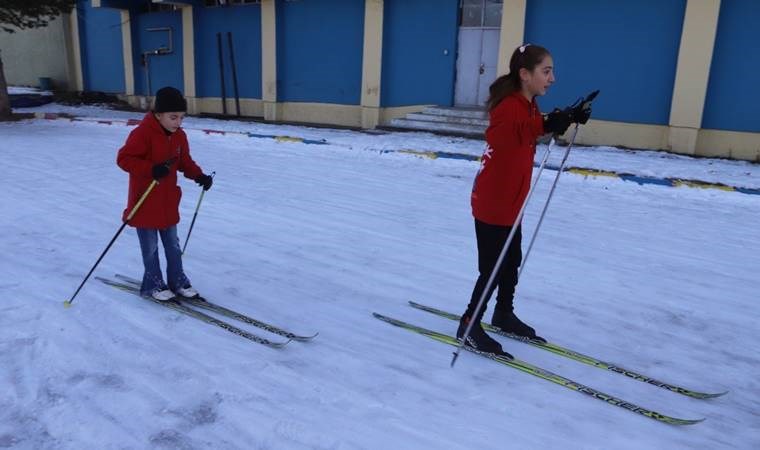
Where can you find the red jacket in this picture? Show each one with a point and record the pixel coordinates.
(146, 146)
(506, 167)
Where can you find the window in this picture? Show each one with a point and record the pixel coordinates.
(480, 13)
(492, 13)
(230, 2)
(150, 7)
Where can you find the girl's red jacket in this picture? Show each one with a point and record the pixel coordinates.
(147, 145)
(506, 167)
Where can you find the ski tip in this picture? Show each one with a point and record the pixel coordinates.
(686, 421)
(298, 338)
(704, 396)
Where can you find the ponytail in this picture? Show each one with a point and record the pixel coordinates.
(501, 88)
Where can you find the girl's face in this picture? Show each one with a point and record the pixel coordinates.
(170, 120)
(537, 81)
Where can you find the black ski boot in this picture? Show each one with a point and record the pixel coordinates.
(508, 322)
(479, 339)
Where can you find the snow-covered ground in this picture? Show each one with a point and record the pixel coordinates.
(22, 90)
(317, 237)
(639, 162)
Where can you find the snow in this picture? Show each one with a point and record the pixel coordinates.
(25, 90)
(662, 280)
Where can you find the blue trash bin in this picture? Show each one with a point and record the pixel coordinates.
(46, 84)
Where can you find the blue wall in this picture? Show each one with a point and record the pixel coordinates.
(415, 70)
(165, 70)
(732, 95)
(627, 49)
(244, 21)
(319, 51)
(101, 48)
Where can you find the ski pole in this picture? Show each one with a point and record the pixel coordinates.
(139, 203)
(192, 222)
(546, 205)
(586, 104)
(502, 254)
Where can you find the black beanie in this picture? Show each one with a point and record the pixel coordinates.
(169, 99)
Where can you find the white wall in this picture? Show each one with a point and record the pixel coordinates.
(41, 52)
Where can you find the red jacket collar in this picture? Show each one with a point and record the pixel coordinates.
(523, 101)
(152, 122)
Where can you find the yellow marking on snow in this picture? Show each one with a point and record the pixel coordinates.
(288, 139)
(420, 153)
(702, 185)
(592, 172)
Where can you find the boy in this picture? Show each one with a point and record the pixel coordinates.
(156, 150)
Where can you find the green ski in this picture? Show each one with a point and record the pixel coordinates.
(566, 352)
(542, 373)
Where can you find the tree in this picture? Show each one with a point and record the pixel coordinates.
(23, 14)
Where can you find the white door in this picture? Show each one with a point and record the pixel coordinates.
(468, 66)
(477, 51)
(489, 55)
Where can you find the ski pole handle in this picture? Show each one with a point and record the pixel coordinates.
(195, 215)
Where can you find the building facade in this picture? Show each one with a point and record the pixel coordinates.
(677, 75)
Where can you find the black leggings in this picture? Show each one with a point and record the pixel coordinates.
(491, 239)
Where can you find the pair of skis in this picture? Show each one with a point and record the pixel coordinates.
(558, 379)
(182, 305)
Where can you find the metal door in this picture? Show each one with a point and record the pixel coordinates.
(489, 54)
(468, 66)
(477, 51)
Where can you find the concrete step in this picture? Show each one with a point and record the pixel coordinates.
(472, 113)
(460, 120)
(439, 127)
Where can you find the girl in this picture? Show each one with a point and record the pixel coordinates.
(502, 185)
(156, 150)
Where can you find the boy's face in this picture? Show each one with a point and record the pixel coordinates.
(170, 120)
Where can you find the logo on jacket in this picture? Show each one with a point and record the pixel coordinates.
(483, 159)
(486, 156)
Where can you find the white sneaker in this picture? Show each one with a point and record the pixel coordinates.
(163, 295)
(188, 292)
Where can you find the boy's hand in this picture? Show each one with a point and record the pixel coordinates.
(205, 181)
(159, 171)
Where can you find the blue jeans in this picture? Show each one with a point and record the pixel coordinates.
(152, 279)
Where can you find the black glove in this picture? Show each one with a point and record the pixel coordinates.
(579, 114)
(159, 171)
(557, 121)
(205, 181)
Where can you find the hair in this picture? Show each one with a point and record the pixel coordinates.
(526, 56)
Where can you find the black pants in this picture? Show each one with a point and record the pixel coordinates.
(491, 239)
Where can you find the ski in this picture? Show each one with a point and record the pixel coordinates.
(177, 306)
(566, 352)
(201, 302)
(542, 373)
